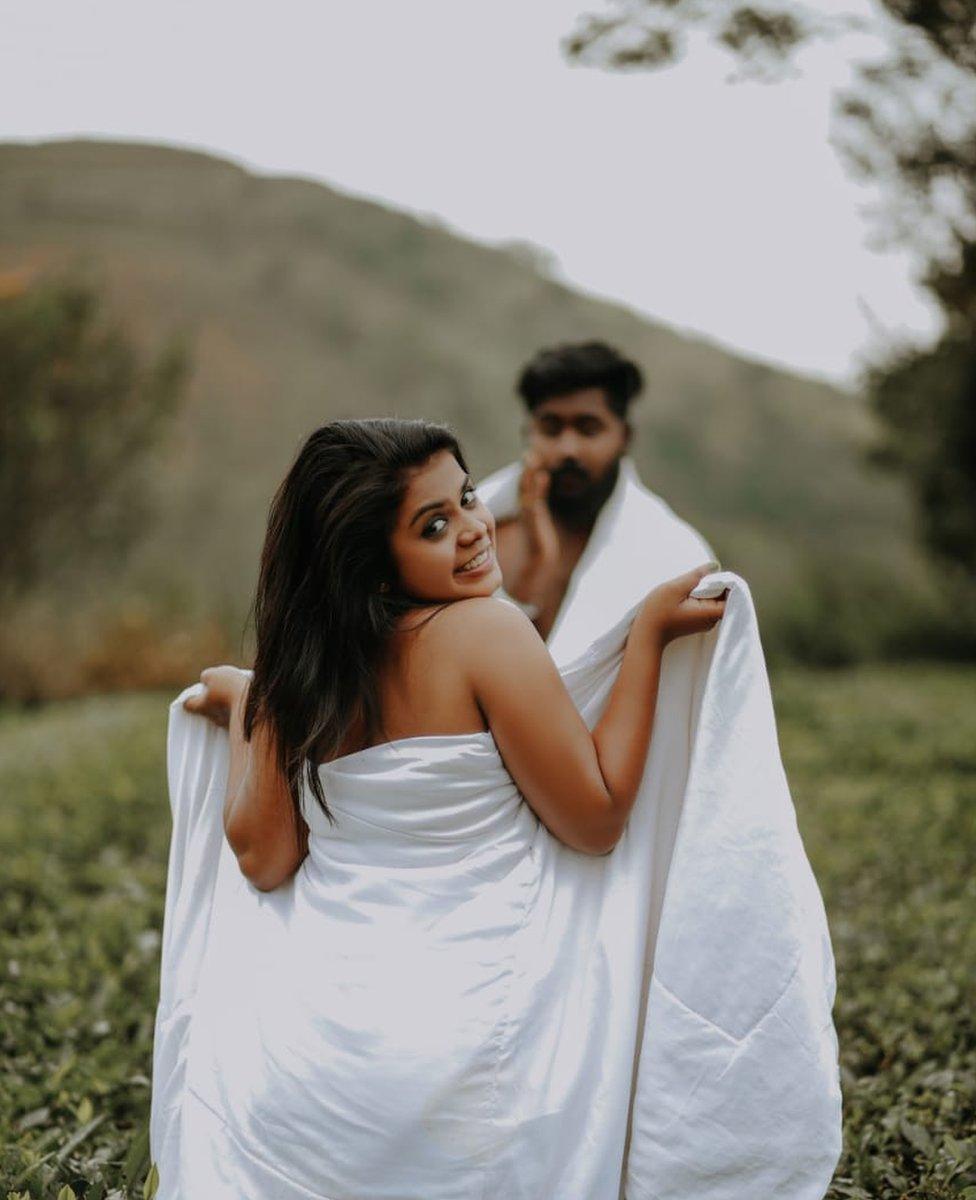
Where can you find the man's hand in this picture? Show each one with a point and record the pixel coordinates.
(224, 687)
(542, 539)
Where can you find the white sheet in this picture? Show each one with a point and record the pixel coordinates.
(447, 1003)
(636, 543)
(761, 899)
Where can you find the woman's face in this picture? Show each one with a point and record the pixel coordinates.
(444, 539)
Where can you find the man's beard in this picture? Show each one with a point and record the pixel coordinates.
(579, 508)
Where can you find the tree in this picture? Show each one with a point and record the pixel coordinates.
(908, 124)
(928, 403)
(79, 414)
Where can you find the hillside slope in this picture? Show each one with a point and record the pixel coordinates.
(302, 304)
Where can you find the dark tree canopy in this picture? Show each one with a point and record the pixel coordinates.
(80, 414)
(928, 404)
(908, 122)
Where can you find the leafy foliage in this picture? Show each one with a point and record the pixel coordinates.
(648, 34)
(883, 771)
(928, 401)
(80, 415)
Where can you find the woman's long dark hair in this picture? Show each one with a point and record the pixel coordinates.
(327, 598)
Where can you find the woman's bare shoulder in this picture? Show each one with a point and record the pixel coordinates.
(486, 617)
(463, 629)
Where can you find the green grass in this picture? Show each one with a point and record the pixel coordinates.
(883, 766)
(84, 829)
(882, 762)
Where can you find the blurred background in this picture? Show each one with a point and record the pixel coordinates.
(220, 228)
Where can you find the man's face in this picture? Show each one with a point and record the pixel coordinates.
(579, 440)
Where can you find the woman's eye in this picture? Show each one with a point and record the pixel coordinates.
(429, 530)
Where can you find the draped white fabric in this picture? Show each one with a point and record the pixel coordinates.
(447, 1003)
(636, 543)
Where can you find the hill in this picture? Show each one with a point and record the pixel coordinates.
(302, 304)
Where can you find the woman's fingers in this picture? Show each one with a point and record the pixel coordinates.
(712, 610)
(202, 704)
(220, 686)
(684, 584)
(692, 615)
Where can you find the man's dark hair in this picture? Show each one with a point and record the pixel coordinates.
(573, 366)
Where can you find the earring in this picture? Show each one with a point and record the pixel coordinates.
(384, 586)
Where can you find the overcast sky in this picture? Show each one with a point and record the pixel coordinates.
(715, 208)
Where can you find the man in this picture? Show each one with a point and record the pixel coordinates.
(579, 537)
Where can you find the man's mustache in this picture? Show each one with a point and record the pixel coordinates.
(569, 471)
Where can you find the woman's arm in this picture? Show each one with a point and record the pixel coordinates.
(259, 816)
(581, 785)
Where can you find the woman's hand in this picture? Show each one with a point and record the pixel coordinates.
(223, 687)
(673, 612)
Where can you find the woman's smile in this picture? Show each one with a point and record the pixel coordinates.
(483, 561)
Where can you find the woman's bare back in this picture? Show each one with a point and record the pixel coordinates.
(421, 690)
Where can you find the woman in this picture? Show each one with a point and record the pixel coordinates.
(441, 1002)
(376, 530)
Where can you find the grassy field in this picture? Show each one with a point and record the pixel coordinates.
(883, 766)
